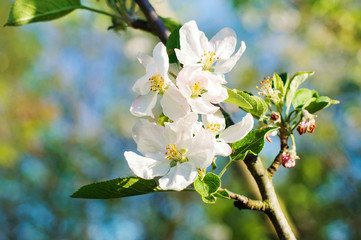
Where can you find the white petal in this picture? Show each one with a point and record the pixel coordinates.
(150, 138)
(142, 85)
(238, 131)
(144, 59)
(180, 132)
(224, 43)
(226, 65)
(216, 92)
(161, 58)
(222, 148)
(146, 168)
(174, 104)
(191, 41)
(201, 153)
(202, 105)
(179, 177)
(143, 105)
(215, 118)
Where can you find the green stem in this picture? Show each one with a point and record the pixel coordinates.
(225, 168)
(99, 11)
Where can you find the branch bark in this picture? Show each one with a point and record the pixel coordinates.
(154, 21)
(284, 146)
(268, 193)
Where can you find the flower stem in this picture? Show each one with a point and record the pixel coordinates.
(99, 11)
(225, 168)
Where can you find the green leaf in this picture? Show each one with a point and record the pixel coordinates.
(117, 188)
(303, 97)
(248, 102)
(320, 103)
(292, 86)
(28, 11)
(172, 43)
(285, 79)
(222, 194)
(237, 99)
(252, 143)
(207, 186)
(278, 83)
(170, 23)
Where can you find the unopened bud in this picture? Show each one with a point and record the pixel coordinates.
(275, 117)
(288, 161)
(302, 127)
(311, 126)
(308, 123)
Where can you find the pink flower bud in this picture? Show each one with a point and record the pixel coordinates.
(288, 161)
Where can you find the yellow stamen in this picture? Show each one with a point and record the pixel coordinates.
(208, 59)
(157, 84)
(213, 127)
(197, 90)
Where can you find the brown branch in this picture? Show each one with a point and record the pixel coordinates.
(266, 188)
(284, 146)
(154, 21)
(243, 202)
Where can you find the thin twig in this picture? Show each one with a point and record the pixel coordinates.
(243, 202)
(284, 146)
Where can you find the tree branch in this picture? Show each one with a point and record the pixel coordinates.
(266, 188)
(243, 202)
(284, 146)
(154, 21)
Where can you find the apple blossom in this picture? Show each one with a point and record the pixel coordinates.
(156, 82)
(174, 152)
(202, 90)
(215, 123)
(214, 55)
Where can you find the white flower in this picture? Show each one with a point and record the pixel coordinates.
(201, 90)
(214, 55)
(174, 152)
(215, 123)
(156, 82)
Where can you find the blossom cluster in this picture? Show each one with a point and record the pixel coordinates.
(195, 131)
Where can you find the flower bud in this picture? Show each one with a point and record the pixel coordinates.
(308, 123)
(275, 117)
(289, 158)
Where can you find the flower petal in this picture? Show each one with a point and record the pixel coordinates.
(143, 105)
(222, 148)
(215, 118)
(144, 59)
(238, 131)
(201, 153)
(174, 104)
(144, 167)
(161, 58)
(142, 85)
(192, 43)
(150, 137)
(226, 65)
(179, 177)
(224, 43)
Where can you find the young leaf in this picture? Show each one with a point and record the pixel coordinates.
(303, 97)
(248, 102)
(117, 188)
(293, 85)
(172, 43)
(278, 83)
(28, 11)
(222, 194)
(207, 187)
(252, 143)
(320, 103)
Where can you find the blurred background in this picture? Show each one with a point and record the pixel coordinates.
(65, 93)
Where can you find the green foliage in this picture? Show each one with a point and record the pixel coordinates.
(29, 11)
(320, 103)
(252, 143)
(278, 83)
(292, 86)
(173, 43)
(309, 100)
(222, 194)
(117, 188)
(303, 97)
(248, 102)
(170, 23)
(208, 186)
